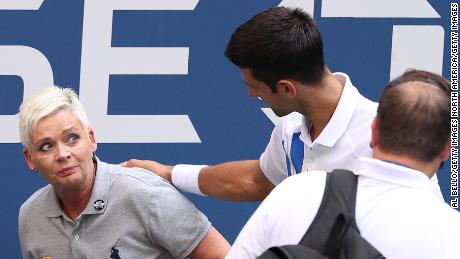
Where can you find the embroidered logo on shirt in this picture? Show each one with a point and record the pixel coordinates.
(114, 252)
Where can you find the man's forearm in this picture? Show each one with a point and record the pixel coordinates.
(236, 181)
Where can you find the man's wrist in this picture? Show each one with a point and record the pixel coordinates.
(185, 178)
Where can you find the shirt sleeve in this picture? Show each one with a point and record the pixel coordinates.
(21, 233)
(174, 222)
(252, 239)
(273, 159)
(283, 217)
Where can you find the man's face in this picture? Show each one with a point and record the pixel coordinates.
(61, 149)
(277, 101)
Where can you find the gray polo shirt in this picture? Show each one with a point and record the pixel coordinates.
(132, 213)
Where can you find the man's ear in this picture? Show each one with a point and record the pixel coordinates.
(287, 87)
(375, 132)
(28, 158)
(92, 139)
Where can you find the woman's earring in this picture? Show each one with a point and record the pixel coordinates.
(34, 169)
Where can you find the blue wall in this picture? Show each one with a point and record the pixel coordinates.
(229, 124)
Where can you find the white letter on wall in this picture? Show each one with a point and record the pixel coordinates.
(100, 60)
(307, 5)
(378, 8)
(35, 71)
(417, 46)
(20, 4)
(26, 62)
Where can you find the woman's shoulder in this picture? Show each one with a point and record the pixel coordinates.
(37, 200)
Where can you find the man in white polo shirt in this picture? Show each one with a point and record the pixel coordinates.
(397, 208)
(327, 121)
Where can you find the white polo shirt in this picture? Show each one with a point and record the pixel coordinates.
(397, 211)
(346, 137)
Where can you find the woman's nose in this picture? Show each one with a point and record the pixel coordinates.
(63, 152)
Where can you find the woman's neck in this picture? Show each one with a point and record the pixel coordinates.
(74, 201)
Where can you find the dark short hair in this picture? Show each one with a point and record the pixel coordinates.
(414, 115)
(279, 43)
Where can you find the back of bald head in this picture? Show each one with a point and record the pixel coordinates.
(414, 115)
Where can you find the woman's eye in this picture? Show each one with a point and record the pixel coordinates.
(73, 138)
(45, 147)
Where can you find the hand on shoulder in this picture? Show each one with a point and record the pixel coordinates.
(153, 166)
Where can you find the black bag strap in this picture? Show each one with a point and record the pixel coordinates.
(333, 233)
(335, 214)
(335, 241)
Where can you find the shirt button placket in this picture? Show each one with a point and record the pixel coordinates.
(309, 157)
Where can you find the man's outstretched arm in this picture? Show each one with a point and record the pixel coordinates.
(236, 181)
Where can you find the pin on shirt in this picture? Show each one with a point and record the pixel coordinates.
(99, 204)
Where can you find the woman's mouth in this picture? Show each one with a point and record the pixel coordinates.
(67, 171)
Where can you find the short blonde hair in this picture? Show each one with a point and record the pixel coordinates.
(45, 102)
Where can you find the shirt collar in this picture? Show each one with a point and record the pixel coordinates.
(100, 193)
(53, 207)
(394, 174)
(341, 117)
(100, 189)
